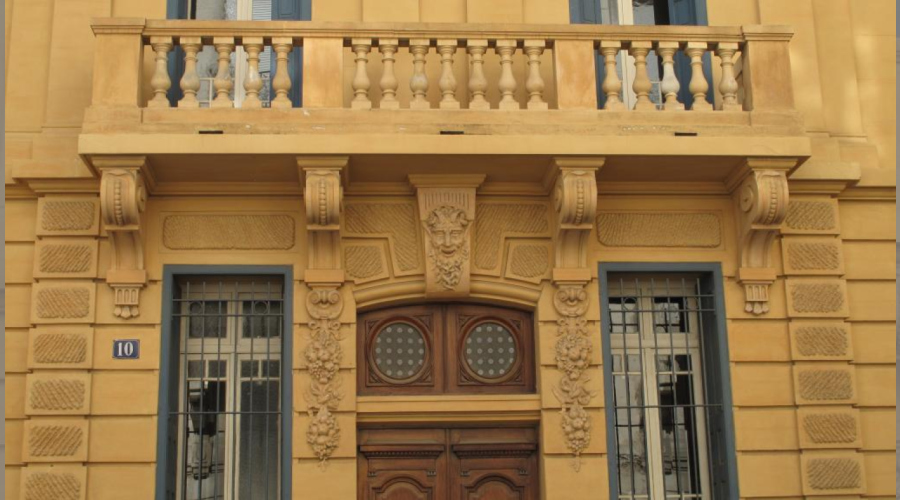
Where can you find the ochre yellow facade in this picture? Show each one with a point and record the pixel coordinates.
(787, 181)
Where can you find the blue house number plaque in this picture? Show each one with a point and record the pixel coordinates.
(126, 349)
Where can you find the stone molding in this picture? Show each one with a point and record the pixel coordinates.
(575, 201)
(760, 191)
(123, 197)
(447, 213)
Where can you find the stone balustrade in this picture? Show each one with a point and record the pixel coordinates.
(505, 67)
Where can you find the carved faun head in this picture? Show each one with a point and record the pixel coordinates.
(447, 228)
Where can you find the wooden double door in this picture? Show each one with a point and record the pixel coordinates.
(448, 463)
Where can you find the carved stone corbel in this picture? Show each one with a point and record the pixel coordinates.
(760, 191)
(575, 199)
(123, 195)
(447, 212)
(323, 194)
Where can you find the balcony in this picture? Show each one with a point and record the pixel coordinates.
(674, 104)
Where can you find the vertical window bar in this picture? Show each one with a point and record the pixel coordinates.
(693, 473)
(626, 369)
(183, 413)
(707, 406)
(219, 294)
(643, 402)
(203, 372)
(236, 417)
(265, 323)
(673, 375)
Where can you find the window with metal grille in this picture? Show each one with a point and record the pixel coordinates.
(667, 395)
(225, 396)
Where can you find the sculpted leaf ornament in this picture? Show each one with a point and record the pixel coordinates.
(323, 356)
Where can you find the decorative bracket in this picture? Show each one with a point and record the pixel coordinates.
(760, 191)
(575, 199)
(123, 195)
(447, 211)
(323, 195)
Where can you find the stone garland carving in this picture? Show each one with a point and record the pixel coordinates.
(573, 354)
(763, 202)
(323, 357)
(123, 196)
(448, 249)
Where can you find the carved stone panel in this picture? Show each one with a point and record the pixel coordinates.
(59, 482)
(60, 347)
(68, 216)
(841, 473)
(66, 258)
(55, 440)
(447, 213)
(58, 393)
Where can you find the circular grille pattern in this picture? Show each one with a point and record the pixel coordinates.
(399, 351)
(490, 350)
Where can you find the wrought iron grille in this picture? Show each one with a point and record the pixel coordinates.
(228, 418)
(662, 408)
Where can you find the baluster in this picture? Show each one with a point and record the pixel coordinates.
(669, 85)
(534, 84)
(612, 86)
(252, 81)
(160, 83)
(389, 83)
(447, 83)
(642, 84)
(729, 85)
(699, 86)
(222, 83)
(190, 81)
(477, 82)
(418, 83)
(281, 82)
(507, 84)
(361, 47)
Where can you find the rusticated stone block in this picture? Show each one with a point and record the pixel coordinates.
(63, 302)
(68, 216)
(827, 428)
(663, 229)
(61, 482)
(60, 347)
(812, 256)
(833, 473)
(812, 216)
(817, 298)
(70, 258)
(496, 221)
(824, 383)
(821, 340)
(57, 393)
(229, 232)
(55, 440)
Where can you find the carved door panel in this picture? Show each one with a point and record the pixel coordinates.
(402, 465)
(439, 464)
(493, 464)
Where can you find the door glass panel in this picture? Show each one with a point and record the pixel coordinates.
(259, 431)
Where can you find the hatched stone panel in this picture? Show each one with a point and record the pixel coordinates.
(826, 428)
(70, 258)
(397, 222)
(824, 384)
(60, 347)
(53, 483)
(229, 232)
(812, 256)
(821, 340)
(56, 440)
(57, 393)
(68, 216)
(664, 229)
(365, 262)
(817, 298)
(811, 216)
(63, 302)
(494, 222)
(529, 261)
(832, 473)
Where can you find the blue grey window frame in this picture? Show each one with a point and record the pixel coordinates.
(164, 462)
(723, 452)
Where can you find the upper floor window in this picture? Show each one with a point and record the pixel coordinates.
(446, 349)
(667, 395)
(224, 426)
